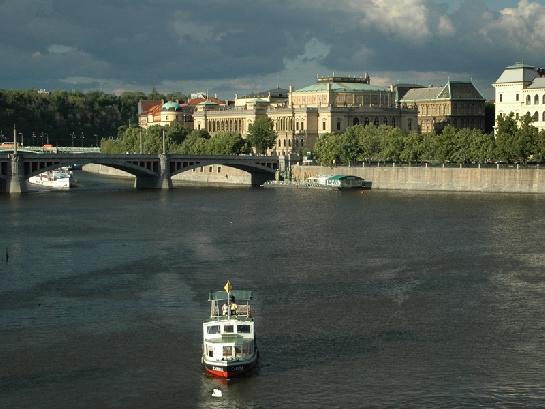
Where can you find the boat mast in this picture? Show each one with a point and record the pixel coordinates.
(228, 287)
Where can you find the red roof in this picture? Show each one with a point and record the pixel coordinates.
(196, 101)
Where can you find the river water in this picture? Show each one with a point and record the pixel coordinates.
(381, 299)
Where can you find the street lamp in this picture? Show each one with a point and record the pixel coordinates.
(22, 139)
(82, 138)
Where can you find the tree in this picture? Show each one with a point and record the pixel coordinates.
(505, 134)
(226, 143)
(327, 149)
(261, 135)
(525, 138)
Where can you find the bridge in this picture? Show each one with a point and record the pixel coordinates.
(150, 171)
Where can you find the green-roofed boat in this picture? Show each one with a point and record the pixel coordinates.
(229, 344)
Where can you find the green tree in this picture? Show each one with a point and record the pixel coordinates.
(505, 134)
(226, 143)
(261, 135)
(327, 149)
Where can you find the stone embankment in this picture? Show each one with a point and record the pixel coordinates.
(494, 179)
(216, 174)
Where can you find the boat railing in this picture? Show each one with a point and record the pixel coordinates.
(242, 311)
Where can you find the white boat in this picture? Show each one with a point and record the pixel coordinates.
(229, 343)
(57, 179)
(336, 181)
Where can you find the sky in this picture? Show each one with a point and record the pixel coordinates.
(242, 46)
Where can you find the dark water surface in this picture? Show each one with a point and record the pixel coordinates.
(382, 299)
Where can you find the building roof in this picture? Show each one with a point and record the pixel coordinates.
(518, 72)
(538, 83)
(341, 87)
(421, 94)
(196, 101)
(171, 106)
(452, 90)
(145, 105)
(274, 93)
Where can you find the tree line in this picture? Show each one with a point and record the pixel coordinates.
(66, 118)
(515, 141)
(180, 140)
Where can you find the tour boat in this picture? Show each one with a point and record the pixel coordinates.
(56, 179)
(229, 344)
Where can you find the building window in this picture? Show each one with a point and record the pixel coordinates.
(536, 100)
(517, 97)
(535, 118)
(543, 116)
(528, 99)
(543, 100)
(501, 97)
(323, 126)
(338, 125)
(219, 169)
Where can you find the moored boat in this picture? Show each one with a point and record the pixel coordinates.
(57, 179)
(229, 343)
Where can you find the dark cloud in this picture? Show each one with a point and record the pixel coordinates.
(122, 44)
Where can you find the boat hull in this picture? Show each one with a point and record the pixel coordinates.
(230, 369)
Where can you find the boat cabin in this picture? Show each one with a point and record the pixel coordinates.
(229, 333)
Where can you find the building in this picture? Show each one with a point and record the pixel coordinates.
(457, 103)
(520, 90)
(163, 113)
(332, 104)
(151, 112)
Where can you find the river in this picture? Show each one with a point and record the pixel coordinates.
(376, 299)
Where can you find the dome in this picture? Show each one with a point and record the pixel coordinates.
(171, 106)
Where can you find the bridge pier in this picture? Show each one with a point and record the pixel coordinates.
(161, 181)
(257, 179)
(16, 181)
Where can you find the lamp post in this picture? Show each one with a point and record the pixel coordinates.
(82, 138)
(22, 139)
(73, 137)
(96, 140)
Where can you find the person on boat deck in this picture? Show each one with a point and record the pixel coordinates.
(234, 305)
(224, 309)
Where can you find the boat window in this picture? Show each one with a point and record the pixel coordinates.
(243, 329)
(228, 328)
(238, 350)
(213, 329)
(210, 351)
(227, 351)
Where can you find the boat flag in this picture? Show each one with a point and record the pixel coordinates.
(228, 287)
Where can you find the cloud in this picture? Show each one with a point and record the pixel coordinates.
(519, 28)
(60, 49)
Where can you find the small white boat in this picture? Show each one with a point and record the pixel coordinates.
(229, 345)
(57, 179)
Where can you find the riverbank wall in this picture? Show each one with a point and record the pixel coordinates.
(214, 174)
(509, 180)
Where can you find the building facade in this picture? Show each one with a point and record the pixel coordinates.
(457, 103)
(332, 104)
(521, 90)
(164, 113)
